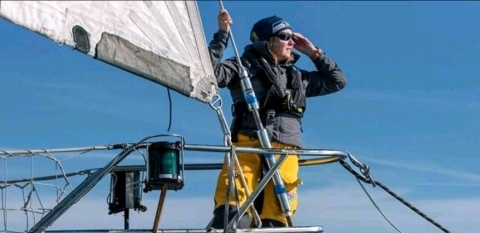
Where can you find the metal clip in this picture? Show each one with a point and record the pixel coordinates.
(364, 169)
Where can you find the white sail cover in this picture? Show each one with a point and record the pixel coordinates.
(162, 41)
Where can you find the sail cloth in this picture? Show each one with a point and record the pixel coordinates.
(162, 41)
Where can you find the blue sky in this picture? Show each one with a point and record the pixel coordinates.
(410, 111)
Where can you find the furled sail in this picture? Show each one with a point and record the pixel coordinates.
(162, 41)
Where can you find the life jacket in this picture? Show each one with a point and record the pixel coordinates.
(290, 99)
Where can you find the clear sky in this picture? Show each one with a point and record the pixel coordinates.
(410, 111)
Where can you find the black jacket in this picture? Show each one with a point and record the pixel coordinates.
(327, 79)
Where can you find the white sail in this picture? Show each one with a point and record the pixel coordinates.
(162, 41)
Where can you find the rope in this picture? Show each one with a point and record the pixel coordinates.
(169, 110)
(318, 161)
(370, 181)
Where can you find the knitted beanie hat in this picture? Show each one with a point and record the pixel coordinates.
(267, 27)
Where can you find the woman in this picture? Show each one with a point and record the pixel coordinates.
(281, 89)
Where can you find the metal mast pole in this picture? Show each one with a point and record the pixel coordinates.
(253, 106)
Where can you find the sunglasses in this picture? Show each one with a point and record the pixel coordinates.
(284, 36)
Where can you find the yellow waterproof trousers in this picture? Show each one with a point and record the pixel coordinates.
(252, 168)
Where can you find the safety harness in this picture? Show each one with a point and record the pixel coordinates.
(289, 100)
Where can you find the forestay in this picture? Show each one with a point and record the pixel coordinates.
(161, 41)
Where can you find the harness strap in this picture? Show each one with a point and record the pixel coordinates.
(239, 112)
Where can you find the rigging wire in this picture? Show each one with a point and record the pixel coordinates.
(371, 181)
(376, 206)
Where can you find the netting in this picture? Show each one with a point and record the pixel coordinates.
(33, 182)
